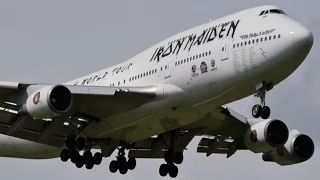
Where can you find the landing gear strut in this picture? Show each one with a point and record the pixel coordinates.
(261, 110)
(121, 163)
(74, 146)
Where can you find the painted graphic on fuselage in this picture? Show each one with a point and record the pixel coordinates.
(97, 77)
(226, 29)
(256, 34)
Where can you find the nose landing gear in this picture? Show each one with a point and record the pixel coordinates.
(261, 110)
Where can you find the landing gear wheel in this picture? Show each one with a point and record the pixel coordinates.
(80, 162)
(169, 157)
(65, 155)
(122, 161)
(75, 156)
(123, 169)
(80, 143)
(163, 170)
(70, 141)
(87, 155)
(178, 158)
(113, 166)
(89, 165)
(173, 171)
(97, 158)
(132, 163)
(265, 112)
(256, 111)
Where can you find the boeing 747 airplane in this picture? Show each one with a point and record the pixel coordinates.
(154, 104)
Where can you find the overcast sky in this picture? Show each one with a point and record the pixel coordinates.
(56, 41)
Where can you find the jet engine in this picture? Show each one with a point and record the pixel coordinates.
(298, 148)
(48, 102)
(266, 135)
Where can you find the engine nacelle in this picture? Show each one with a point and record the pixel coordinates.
(298, 148)
(266, 135)
(48, 102)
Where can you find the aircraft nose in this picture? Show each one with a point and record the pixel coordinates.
(302, 37)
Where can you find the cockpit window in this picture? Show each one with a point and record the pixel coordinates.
(272, 11)
(275, 11)
(261, 13)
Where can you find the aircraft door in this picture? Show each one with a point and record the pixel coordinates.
(167, 69)
(224, 51)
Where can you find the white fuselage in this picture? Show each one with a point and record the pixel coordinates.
(202, 68)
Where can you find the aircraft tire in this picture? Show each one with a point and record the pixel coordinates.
(97, 158)
(113, 166)
(65, 155)
(80, 143)
(70, 141)
(265, 113)
(173, 171)
(131, 163)
(123, 169)
(75, 156)
(169, 157)
(178, 158)
(163, 170)
(256, 111)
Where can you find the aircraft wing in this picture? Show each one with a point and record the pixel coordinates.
(90, 103)
(218, 130)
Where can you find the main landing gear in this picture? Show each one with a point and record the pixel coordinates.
(74, 146)
(170, 168)
(261, 110)
(172, 157)
(121, 163)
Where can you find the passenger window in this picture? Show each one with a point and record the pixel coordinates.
(249, 42)
(149, 72)
(270, 37)
(209, 52)
(274, 37)
(234, 46)
(160, 68)
(184, 60)
(124, 81)
(118, 83)
(253, 41)
(181, 61)
(202, 54)
(266, 38)
(245, 43)
(199, 55)
(165, 68)
(279, 36)
(152, 71)
(261, 39)
(206, 53)
(257, 40)
(196, 56)
(155, 71)
(176, 63)
(241, 44)
(144, 74)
